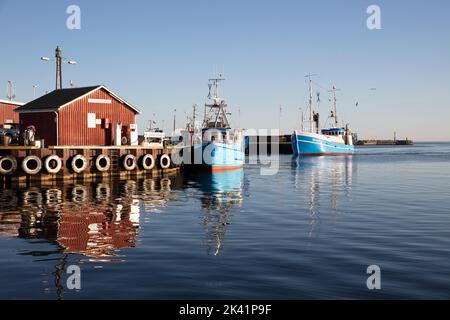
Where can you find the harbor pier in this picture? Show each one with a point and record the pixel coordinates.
(31, 164)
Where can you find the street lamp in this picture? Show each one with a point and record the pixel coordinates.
(59, 59)
(34, 90)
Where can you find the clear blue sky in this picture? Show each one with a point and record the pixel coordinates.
(159, 55)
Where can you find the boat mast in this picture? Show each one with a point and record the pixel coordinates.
(311, 123)
(218, 103)
(194, 117)
(335, 115)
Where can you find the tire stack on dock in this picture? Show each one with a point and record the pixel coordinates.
(29, 163)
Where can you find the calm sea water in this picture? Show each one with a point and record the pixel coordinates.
(309, 232)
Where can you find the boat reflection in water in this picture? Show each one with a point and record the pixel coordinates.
(95, 224)
(325, 182)
(95, 220)
(221, 192)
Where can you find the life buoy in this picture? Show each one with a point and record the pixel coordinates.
(79, 163)
(32, 165)
(165, 161)
(103, 163)
(53, 164)
(148, 162)
(8, 165)
(129, 162)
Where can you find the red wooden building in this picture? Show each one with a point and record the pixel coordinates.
(7, 114)
(89, 116)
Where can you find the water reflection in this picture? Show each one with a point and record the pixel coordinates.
(221, 192)
(95, 220)
(325, 180)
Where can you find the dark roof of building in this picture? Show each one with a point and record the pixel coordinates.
(59, 98)
(56, 99)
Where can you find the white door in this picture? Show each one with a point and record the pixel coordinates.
(118, 141)
(134, 136)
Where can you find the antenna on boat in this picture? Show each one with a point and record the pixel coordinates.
(309, 76)
(334, 112)
(214, 87)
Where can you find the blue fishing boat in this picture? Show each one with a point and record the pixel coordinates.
(221, 147)
(332, 141)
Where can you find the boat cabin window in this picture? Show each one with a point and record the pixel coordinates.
(214, 135)
(333, 132)
(221, 135)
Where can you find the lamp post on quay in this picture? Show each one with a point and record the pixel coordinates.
(59, 59)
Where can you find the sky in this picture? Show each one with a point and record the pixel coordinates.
(159, 55)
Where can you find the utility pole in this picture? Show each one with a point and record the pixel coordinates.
(239, 117)
(174, 121)
(11, 95)
(58, 56)
(279, 118)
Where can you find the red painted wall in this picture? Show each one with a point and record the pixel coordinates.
(45, 124)
(7, 113)
(73, 120)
